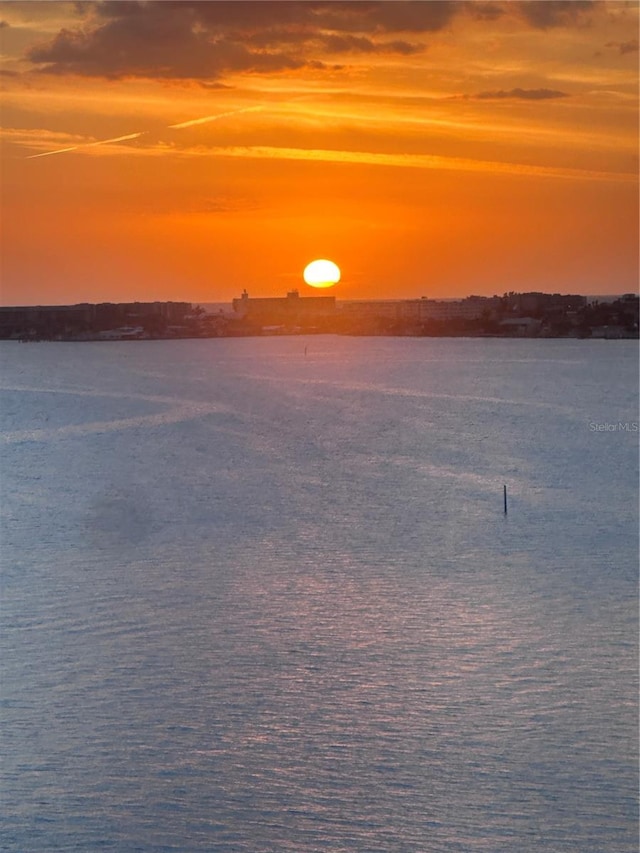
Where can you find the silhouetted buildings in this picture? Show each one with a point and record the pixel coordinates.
(50, 322)
(511, 315)
(535, 304)
(44, 321)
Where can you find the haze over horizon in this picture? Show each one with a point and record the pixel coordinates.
(435, 149)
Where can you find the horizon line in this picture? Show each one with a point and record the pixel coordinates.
(379, 299)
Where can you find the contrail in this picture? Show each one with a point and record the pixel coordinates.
(47, 153)
(88, 145)
(142, 132)
(213, 118)
(115, 139)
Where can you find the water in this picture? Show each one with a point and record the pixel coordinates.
(256, 600)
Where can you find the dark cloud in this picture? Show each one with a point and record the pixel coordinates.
(153, 45)
(3, 24)
(357, 17)
(328, 42)
(190, 39)
(543, 14)
(362, 44)
(204, 40)
(489, 11)
(522, 94)
(630, 46)
(414, 17)
(214, 84)
(402, 47)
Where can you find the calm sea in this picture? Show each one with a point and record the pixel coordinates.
(261, 595)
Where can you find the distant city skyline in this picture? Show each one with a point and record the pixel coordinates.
(439, 149)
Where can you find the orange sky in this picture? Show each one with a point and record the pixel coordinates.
(429, 148)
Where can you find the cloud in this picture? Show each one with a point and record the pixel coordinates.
(521, 94)
(3, 24)
(489, 11)
(362, 44)
(630, 46)
(41, 138)
(165, 44)
(331, 42)
(543, 14)
(418, 161)
(363, 16)
(200, 40)
(207, 119)
(394, 17)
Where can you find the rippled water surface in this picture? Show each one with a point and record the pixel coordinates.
(256, 600)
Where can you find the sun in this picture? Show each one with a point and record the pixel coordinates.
(322, 273)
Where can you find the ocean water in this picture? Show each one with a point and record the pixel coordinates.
(261, 595)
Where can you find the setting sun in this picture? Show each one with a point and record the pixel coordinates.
(322, 273)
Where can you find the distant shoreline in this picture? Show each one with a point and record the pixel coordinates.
(503, 337)
(513, 315)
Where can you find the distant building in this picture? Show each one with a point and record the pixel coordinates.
(420, 310)
(55, 321)
(43, 320)
(548, 303)
(471, 308)
(292, 309)
(108, 315)
(372, 309)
